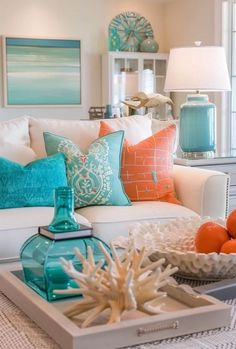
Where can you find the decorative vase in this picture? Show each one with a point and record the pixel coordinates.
(114, 40)
(64, 219)
(149, 45)
(42, 268)
(41, 253)
(108, 112)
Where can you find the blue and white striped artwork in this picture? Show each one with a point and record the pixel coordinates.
(43, 71)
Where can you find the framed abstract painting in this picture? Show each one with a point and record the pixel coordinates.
(41, 72)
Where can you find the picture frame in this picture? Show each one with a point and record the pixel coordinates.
(41, 72)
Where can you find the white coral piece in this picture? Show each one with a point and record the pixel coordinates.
(125, 284)
(178, 234)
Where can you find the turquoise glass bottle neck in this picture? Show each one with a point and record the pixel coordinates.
(64, 219)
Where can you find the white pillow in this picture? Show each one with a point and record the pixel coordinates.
(15, 131)
(15, 141)
(17, 153)
(84, 132)
(158, 125)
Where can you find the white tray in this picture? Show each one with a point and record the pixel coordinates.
(188, 313)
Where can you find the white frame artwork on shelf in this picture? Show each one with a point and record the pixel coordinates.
(41, 72)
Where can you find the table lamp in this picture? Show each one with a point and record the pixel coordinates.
(198, 68)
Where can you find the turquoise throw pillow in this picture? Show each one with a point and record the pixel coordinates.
(94, 174)
(33, 184)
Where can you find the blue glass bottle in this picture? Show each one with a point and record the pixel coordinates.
(149, 45)
(114, 40)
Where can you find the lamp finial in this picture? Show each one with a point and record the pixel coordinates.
(197, 43)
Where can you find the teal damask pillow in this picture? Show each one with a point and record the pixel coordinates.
(94, 174)
(33, 184)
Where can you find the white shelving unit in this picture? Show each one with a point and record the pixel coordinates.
(125, 73)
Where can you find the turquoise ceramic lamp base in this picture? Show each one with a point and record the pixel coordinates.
(197, 127)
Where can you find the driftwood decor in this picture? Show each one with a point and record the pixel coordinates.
(123, 285)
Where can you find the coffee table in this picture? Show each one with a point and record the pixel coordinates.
(19, 331)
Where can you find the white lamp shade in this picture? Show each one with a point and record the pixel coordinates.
(197, 69)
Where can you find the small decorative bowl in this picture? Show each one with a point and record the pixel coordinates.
(174, 241)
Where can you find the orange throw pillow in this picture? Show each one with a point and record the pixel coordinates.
(146, 168)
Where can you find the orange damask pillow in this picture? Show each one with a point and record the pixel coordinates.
(147, 167)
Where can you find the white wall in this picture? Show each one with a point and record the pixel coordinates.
(87, 20)
(187, 21)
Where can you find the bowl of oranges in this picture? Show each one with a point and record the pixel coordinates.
(201, 248)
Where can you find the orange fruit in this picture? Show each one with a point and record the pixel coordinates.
(231, 223)
(229, 247)
(210, 237)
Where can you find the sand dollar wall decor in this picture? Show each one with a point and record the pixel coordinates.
(127, 31)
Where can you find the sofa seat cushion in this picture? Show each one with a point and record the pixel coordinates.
(111, 221)
(18, 224)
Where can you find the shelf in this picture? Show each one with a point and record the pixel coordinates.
(143, 72)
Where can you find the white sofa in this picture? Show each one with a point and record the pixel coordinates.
(202, 192)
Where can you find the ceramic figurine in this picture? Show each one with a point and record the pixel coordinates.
(143, 100)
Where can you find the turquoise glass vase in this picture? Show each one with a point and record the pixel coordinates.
(42, 269)
(197, 127)
(40, 254)
(149, 45)
(114, 40)
(64, 219)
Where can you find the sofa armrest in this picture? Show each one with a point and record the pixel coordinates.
(204, 191)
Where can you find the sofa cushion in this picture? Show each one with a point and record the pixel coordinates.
(110, 221)
(94, 174)
(147, 167)
(158, 125)
(18, 224)
(32, 184)
(84, 132)
(15, 140)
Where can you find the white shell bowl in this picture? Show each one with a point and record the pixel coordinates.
(174, 241)
(211, 266)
